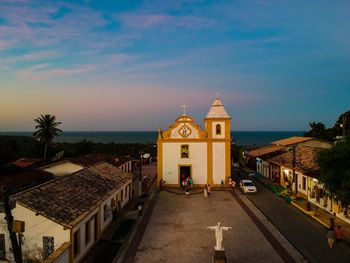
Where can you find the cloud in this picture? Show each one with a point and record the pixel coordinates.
(4, 44)
(143, 21)
(42, 71)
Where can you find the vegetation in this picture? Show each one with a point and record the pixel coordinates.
(340, 128)
(46, 129)
(335, 171)
(15, 147)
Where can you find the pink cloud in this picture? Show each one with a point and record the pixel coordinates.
(4, 44)
(42, 71)
(136, 20)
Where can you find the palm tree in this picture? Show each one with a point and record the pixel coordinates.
(46, 129)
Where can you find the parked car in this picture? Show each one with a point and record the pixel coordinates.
(247, 187)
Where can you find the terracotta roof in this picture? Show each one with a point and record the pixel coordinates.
(24, 178)
(25, 162)
(68, 199)
(305, 160)
(292, 140)
(93, 158)
(265, 150)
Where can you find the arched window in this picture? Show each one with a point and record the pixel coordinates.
(218, 129)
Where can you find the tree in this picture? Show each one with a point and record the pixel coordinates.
(319, 131)
(342, 125)
(46, 129)
(335, 171)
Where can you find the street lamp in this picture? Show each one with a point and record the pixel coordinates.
(143, 154)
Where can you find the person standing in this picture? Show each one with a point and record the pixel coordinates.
(339, 236)
(208, 190)
(188, 188)
(331, 237)
(205, 191)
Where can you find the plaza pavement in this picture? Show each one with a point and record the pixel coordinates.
(176, 231)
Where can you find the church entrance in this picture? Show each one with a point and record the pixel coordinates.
(184, 173)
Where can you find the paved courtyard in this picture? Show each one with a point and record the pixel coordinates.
(177, 231)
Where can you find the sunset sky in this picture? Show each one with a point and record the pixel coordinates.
(129, 65)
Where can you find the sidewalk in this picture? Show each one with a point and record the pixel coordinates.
(320, 215)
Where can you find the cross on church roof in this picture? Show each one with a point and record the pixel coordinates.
(184, 106)
(217, 94)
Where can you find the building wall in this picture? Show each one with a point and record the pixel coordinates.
(83, 245)
(262, 167)
(218, 136)
(36, 226)
(193, 134)
(126, 166)
(63, 168)
(300, 184)
(219, 155)
(172, 159)
(105, 219)
(63, 258)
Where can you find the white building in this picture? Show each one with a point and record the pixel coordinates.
(72, 165)
(185, 150)
(66, 216)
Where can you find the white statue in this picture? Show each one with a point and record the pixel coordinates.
(218, 235)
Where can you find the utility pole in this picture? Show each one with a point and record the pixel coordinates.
(295, 181)
(16, 249)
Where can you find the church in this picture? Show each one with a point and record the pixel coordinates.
(186, 150)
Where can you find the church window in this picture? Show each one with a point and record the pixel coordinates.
(218, 129)
(184, 151)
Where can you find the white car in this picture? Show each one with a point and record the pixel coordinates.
(247, 187)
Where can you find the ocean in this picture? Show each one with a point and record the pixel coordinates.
(242, 138)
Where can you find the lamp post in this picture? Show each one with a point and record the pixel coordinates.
(142, 154)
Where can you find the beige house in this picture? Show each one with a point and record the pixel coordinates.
(186, 150)
(66, 216)
(72, 165)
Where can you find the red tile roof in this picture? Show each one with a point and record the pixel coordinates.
(292, 140)
(305, 160)
(93, 158)
(25, 162)
(24, 178)
(265, 150)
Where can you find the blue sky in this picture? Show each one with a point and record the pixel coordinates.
(128, 65)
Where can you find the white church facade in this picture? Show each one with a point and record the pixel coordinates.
(186, 150)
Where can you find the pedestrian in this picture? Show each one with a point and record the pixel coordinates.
(190, 181)
(208, 190)
(205, 191)
(188, 188)
(339, 236)
(233, 185)
(331, 237)
(184, 185)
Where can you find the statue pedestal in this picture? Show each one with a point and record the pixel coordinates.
(219, 256)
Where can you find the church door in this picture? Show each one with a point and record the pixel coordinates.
(184, 173)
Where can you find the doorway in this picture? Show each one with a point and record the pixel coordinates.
(184, 173)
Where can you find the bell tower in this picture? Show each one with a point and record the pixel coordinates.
(218, 128)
